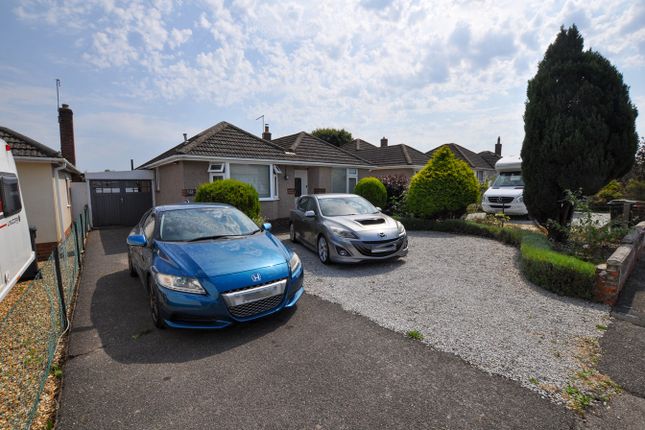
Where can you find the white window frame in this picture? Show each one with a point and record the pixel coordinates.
(350, 175)
(274, 171)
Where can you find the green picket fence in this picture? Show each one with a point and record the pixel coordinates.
(33, 318)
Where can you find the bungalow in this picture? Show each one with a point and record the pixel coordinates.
(45, 178)
(280, 170)
(398, 159)
(483, 163)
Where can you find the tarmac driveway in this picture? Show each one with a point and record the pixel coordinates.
(317, 366)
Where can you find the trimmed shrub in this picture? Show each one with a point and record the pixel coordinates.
(551, 270)
(373, 190)
(443, 188)
(560, 273)
(236, 193)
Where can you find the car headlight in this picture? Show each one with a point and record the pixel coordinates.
(341, 232)
(401, 228)
(294, 263)
(180, 283)
(520, 199)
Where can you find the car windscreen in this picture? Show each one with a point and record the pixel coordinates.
(345, 205)
(183, 225)
(509, 179)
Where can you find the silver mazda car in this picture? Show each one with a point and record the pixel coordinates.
(346, 228)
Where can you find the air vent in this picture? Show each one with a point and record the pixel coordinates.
(371, 221)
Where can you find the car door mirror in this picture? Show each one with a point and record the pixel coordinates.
(310, 214)
(378, 209)
(137, 240)
(266, 226)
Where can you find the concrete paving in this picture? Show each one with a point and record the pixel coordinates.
(315, 367)
(623, 357)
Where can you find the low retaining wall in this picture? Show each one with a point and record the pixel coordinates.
(611, 276)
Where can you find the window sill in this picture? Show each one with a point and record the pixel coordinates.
(269, 199)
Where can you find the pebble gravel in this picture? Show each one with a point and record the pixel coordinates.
(467, 296)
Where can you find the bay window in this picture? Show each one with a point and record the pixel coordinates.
(257, 175)
(262, 177)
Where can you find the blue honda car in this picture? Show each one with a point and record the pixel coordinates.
(208, 266)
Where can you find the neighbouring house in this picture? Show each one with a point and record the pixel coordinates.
(280, 169)
(483, 163)
(397, 159)
(45, 177)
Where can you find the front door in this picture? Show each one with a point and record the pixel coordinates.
(300, 183)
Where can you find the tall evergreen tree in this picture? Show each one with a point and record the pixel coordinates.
(579, 127)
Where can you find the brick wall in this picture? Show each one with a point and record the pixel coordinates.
(612, 275)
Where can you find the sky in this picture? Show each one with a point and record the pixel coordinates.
(139, 73)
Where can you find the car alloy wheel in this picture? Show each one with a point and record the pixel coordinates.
(153, 302)
(323, 250)
(292, 233)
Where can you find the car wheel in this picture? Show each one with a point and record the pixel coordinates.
(153, 302)
(292, 233)
(323, 250)
(131, 268)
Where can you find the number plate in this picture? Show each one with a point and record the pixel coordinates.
(237, 298)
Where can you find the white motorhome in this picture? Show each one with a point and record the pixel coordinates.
(506, 193)
(16, 254)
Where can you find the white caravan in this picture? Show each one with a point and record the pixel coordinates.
(15, 243)
(506, 193)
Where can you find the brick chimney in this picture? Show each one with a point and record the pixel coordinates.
(267, 134)
(384, 142)
(498, 148)
(66, 125)
(358, 144)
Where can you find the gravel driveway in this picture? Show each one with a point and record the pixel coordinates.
(466, 296)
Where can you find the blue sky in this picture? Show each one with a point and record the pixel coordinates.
(140, 73)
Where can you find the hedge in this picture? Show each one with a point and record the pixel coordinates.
(560, 273)
(236, 193)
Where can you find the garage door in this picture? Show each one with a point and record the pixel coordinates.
(119, 202)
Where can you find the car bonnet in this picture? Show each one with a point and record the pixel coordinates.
(213, 258)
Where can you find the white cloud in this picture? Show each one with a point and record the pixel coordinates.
(384, 64)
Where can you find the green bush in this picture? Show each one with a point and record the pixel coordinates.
(635, 189)
(373, 190)
(236, 193)
(443, 188)
(551, 270)
(613, 190)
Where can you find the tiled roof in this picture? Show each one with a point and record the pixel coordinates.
(490, 157)
(358, 143)
(23, 146)
(392, 155)
(474, 160)
(228, 141)
(310, 148)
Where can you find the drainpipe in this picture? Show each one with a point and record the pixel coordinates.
(61, 221)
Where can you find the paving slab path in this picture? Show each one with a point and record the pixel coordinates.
(623, 354)
(315, 367)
